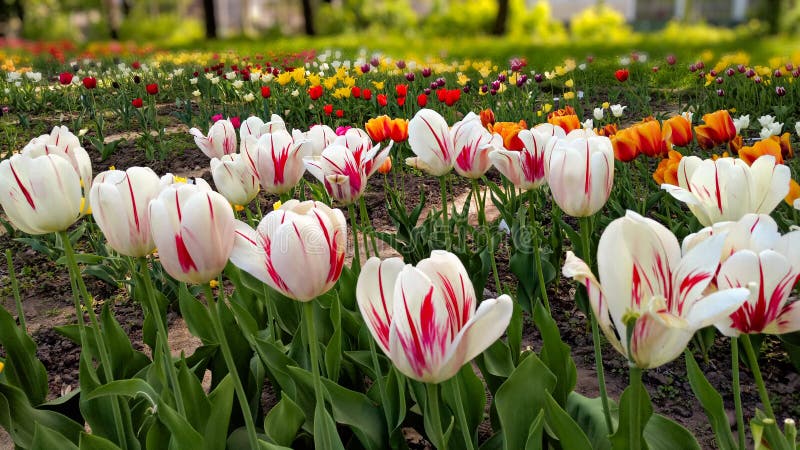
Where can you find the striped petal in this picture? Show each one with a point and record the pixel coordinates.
(374, 293)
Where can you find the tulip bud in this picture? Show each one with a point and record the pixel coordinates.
(233, 179)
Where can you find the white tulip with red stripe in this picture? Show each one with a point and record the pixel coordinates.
(320, 136)
(755, 232)
(233, 179)
(580, 172)
(120, 202)
(430, 139)
(344, 172)
(727, 189)
(524, 168)
(40, 195)
(221, 139)
(473, 143)
(276, 160)
(426, 319)
(63, 143)
(297, 249)
(644, 275)
(193, 228)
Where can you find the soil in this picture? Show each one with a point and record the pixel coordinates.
(47, 301)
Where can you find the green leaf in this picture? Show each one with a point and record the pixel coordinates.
(395, 398)
(22, 368)
(196, 316)
(498, 360)
(125, 361)
(536, 433)
(662, 433)
(132, 387)
(284, 421)
(628, 409)
(588, 413)
(712, 403)
(556, 355)
(566, 430)
(333, 351)
(195, 402)
(92, 442)
(19, 418)
(521, 398)
(221, 405)
(183, 435)
(45, 438)
(326, 437)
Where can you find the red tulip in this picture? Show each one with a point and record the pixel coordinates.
(90, 82)
(265, 92)
(152, 88)
(622, 75)
(401, 101)
(65, 78)
(315, 92)
(401, 89)
(382, 101)
(327, 109)
(355, 91)
(137, 102)
(366, 94)
(422, 100)
(339, 113)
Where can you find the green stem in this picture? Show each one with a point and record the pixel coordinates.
(435, 421)
(737, 393)
(162, 338)
(481, 202)
(461, 414)
(351, 211)
(77, 282)
(537, 256)
(762, 389)
(445, 218)
(376, 366)
(214, 310)
(313, 350)
(15, 288)
(586, 226)
(362, 214)
(367, 225)
(636, 418)
(273, 315)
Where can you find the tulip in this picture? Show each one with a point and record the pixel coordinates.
(90, 82)
(62, 142)
(524, 168)
(718, 129)
(741, 123)
(382, 128)
(767, 146)
(621, 75)
(626, 144)
(40, 195)
(509, 132)
(193, 228)
(320, 136)
(617, 110)
(221, 139)
(344, 172)
(424, 318)
(597, 113)
(727, 189)
(580, 172)
(65, 78)
(120, 207)
(233, 179)
(430, 139)
(677, 130)
(152, 88)
(276, 160)
(667, 170)
(565, 118)
(644, 276)
(472, 146)
(297, 249)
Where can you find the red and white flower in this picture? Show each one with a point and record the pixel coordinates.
(276, 160)
(727, 189)
(644, 276)
(524, 168)
(430, 139)
(297, 249)
(221, 139)
(64, 143)
(193, 228)
(580, 172)
(320, 136)
(473, 143)
(233, 179)
(426, 319)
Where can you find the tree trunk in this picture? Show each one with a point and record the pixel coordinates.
(113, 17)
(210, 18)
(773, 11)
(308, 15)
(502, 18)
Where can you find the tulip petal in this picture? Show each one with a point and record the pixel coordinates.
(249, 254)
(451, 279)
(716, 307)
(788, 320)
(374, 293)
(694, 273)
(430, 139)
(770, 183)
(487, 325)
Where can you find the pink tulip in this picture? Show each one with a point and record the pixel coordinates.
(276, 160)
(424, 318)
(193, 229)
(120, 203)
(221, 139)
(644, 276)
(40, 195)
(580, 172)
(297, 250)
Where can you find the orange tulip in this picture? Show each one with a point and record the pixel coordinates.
(650, 141)
(667, 170)
(718, 129)
(677, 131)
(565, 118)
(626, 145)
(378, 128)
(398, 130)
(786, 145)
(794, 192)
(736, 144)
(386, 167)
(765, 147)
(509, 131)
(487, 117)
(609, 130)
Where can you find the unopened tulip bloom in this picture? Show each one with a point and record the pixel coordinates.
(430, 139)
(120, 203)
(598, 114)
(644, 276)
(580, 172)
(344, 172)
(524, 168)
(677, 130)
(276, 159)
(797, 128)
(221, 139)
(727, 188)
(297, 249)
(473, 143)
(426, 319)
(193, 228)
(233, 179)
(718, 129)
(63, 142)
(617, 110)
(741, 123)
(40, 195)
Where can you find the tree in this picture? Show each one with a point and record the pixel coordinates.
(211, 19)
(308, 15)
(501, 20)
